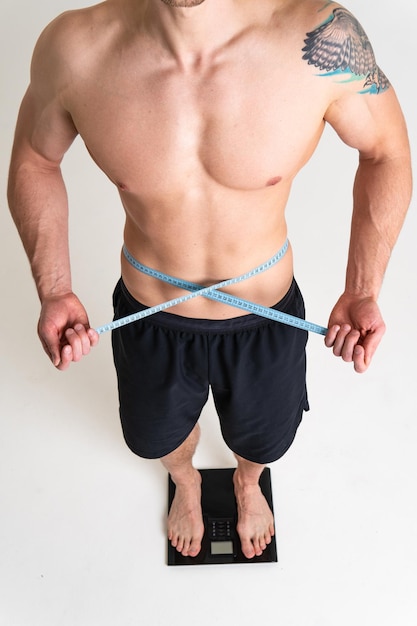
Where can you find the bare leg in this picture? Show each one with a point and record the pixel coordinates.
(255, 520)
(185, 519)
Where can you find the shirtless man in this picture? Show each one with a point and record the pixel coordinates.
(202, 112)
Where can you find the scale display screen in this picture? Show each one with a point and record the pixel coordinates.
(221, 547)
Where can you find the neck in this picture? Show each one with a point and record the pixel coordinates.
(194, 33)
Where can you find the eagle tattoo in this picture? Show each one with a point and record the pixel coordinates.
(341, 45)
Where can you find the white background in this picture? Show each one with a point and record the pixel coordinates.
(82, 519)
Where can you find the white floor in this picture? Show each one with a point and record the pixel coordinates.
(82, 520)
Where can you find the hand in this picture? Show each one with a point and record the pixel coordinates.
(355, 330)
(64, 330)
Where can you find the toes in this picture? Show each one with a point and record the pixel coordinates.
(176, 542)
(259, 546)
(256, 546)
(194, 548)
(182, 546)
(190, 548)
(248, 549)
(185, 546)
(262, 544)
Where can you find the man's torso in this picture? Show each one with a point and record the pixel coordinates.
(203, 153)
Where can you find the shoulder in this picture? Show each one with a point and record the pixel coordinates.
(319, 14)
(336, 46)
(66, 28)
(70, 41)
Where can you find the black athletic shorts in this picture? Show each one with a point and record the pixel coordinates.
(255, 367)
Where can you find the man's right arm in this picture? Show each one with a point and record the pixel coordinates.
(38, 204)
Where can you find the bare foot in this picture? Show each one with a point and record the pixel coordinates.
(185, 519)
(255, 520)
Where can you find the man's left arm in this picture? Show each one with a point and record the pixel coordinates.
(373, 124)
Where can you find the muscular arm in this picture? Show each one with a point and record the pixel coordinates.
(374, 125)
(38, 203)
(38, 199)
(365, 113)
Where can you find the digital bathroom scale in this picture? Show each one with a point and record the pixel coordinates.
(221, 544)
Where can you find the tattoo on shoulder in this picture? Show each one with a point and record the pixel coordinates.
(340, 46)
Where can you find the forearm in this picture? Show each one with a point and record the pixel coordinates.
(39, 207)
(382, 194)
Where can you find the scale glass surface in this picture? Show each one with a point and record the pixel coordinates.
(221, 544)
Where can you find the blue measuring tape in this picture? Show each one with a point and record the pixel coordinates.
(212, 293)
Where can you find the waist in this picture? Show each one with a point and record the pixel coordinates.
(125, 304)
(265, 284)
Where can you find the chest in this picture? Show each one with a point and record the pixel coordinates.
(242, 123)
